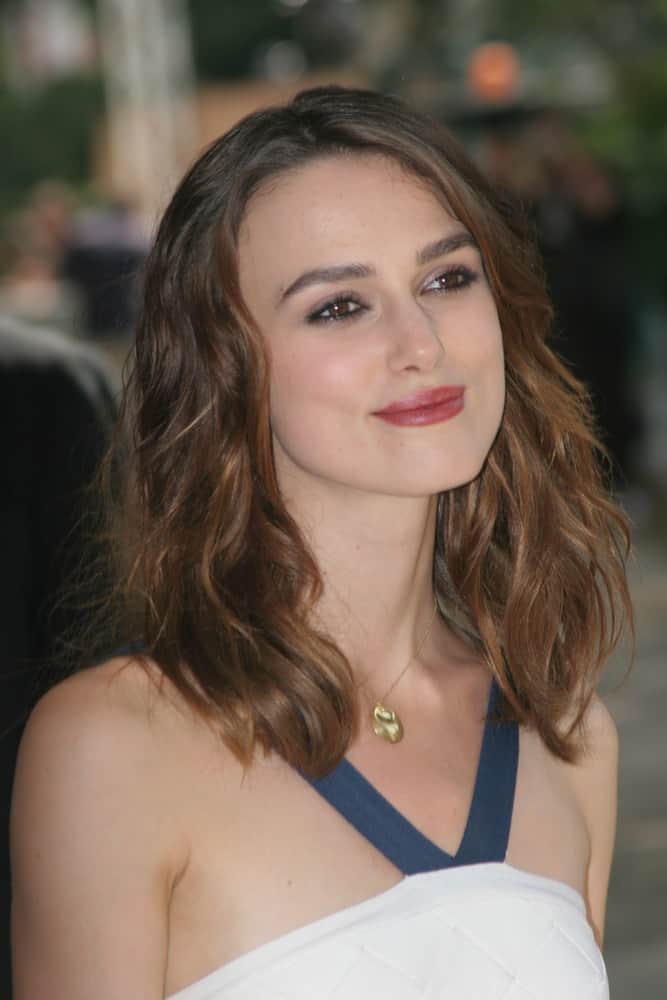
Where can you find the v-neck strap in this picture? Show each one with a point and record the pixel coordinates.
(487, 829)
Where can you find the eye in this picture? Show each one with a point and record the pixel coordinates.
(341, 308)
(455, 279)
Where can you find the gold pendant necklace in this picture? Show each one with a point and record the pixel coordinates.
(386, 723)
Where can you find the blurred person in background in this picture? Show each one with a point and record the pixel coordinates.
(365, 536)
(31, 287)
(56, 412)
(73, 267)
(582, 231)
(102, 260)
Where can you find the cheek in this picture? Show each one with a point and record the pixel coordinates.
(495, 359)
(478, 345)
(494, 366)
(483, 359)
(310, 379)
(305, 393)
(320, 396)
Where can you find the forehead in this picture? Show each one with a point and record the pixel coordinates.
(336, 203)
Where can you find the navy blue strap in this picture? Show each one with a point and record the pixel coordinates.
(487, 829)
(378, 821)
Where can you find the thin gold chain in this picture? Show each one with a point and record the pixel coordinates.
(414, 656)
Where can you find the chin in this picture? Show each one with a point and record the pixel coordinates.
(420, 486)
(424, 473)
(442, 477)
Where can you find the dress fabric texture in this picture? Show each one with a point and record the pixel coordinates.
(456, 927)
(478, 932)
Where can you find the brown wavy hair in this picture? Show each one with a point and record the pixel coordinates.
(529, 557)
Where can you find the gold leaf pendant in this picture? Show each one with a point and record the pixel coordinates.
(386, 724)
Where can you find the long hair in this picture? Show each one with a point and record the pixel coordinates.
(529, 559)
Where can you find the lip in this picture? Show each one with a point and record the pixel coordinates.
(430, 406)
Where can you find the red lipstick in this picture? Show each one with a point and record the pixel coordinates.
(430, 406)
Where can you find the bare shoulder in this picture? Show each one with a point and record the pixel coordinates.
(124, 687)
(95, 752)
(598, 758)
(594, 780)
(595, 774)
(93, 718)
(112, 736)
(600, 733)
(96, 842)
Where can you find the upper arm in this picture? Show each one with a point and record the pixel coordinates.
(596, 780)
(91, 858)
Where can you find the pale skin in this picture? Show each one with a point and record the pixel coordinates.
(143, 857)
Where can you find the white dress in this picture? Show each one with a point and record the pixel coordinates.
(478, 932)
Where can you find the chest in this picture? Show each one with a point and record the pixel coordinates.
(280, 855)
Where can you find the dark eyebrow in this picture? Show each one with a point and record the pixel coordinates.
(446, 245)
(320, 275)
(341, 272)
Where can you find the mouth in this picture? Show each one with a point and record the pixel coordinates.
(430, 406)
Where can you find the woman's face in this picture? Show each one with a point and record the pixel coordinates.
(385, 345)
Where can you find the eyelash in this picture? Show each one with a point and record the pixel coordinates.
(463, 275)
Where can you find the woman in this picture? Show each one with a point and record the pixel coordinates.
(361, 754)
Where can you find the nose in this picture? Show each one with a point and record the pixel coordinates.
(414, 342)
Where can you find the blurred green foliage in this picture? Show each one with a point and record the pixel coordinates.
(47, 132)
(630, 36)
(226, 34)
(48, 128)
(630, 131)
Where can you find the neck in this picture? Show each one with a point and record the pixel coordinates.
(375, 555)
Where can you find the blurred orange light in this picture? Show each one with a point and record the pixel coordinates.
(493, 72)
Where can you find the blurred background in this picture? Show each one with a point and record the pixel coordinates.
(103, 103)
